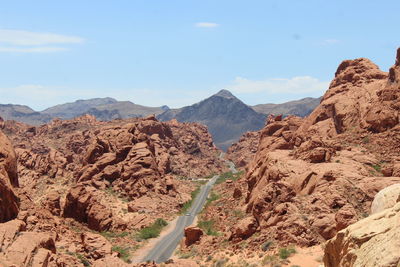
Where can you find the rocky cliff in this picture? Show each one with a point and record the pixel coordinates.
(312, 177)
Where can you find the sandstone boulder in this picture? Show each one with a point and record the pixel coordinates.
(244, 228)
(95, 245)
(386, 198)
(371, 242)
(83, 204)
(31, 249)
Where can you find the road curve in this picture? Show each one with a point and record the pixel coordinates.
(163, 250)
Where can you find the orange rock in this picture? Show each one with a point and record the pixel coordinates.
(95, 245)
(244, 228)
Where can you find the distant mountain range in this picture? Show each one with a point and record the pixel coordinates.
(300, 108)
(226, 117)
(103, 108)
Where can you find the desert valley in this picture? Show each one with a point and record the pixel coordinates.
(101, 182)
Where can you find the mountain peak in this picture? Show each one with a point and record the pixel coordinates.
(225, 93)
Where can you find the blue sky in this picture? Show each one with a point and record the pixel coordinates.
(156, 52)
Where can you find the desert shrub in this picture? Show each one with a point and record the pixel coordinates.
(208, 227)
(266, 245)
(285, 253)
(123, 253)
(110, 235)
(153, 230)
(228, 175)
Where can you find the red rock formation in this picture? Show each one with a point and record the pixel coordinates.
(8, 180)
(192, 235)
(80, 175)
(315, 176)
(243, 151)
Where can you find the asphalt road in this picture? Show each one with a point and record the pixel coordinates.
(163, 250)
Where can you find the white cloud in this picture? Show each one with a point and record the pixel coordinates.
(295, 85)
(34, 42)
(44, 49)
(206, 25)
(26, 38)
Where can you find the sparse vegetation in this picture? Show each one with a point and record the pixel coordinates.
(238, 214)
(80, 257)
(271, 260)
(365, 140)
(186, 255)
(110, 191)
(377, 167)
(153, 230)
(186, 206)
(213, 197)
(123, 253)
(110, 235)
(285, 253)
(266, 245)
(228, 176)
(208, 227)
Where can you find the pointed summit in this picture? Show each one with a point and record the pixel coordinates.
(225, 93)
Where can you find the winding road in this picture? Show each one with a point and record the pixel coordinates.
(164, 249)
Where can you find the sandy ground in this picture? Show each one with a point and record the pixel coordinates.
(307, 257)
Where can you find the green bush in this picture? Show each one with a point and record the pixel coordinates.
(228, 175)
(208, 227)
(377, 167)
(110, 235)
(285, 253)
(123, 253)
(153, 230)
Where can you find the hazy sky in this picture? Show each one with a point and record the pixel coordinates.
(156, 52)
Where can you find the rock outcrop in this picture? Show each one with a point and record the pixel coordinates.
(192, 235)
(76, 177)
(386, 198)
(313, 177)
(8, 180)
(242, 152)
(373, 241)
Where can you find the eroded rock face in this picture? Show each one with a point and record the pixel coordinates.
(313, 177)
(244, 228)
(373, 241)
(83, 204)
(243, 151)
(96, 245)
(8, 180)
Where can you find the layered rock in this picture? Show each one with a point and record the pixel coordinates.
(373, 241)
(313, 177)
